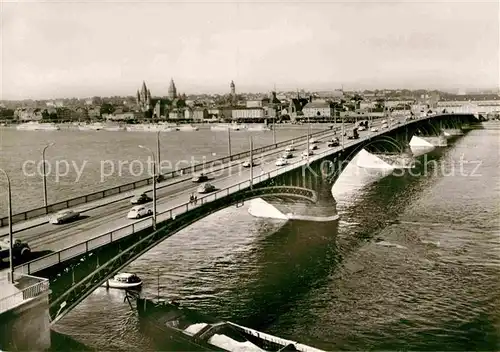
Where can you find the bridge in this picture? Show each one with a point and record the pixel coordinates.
(84, 254)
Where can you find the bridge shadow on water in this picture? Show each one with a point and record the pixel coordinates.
(292, 261)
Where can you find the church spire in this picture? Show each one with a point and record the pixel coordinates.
(172, 90)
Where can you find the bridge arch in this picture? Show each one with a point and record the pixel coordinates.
(335, 168)
(71, 298)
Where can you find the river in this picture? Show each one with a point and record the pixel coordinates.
(413, 264)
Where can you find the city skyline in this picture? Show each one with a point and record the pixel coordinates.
(106, 49)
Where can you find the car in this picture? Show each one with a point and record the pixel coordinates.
(361, 128)
(391, 119)
(306, 153)
(385, 125)
(313, 141)
(290, 148)
(20, 250)
(63, 216)
(313, 147)
(374, 129)
(287, 155)
(201, 177)
(206, 188)
(384, 121)
(334, 142)
(141, 199)
(139, 211)
(247, 163)
(281, 162)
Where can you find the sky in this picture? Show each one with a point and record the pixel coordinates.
(85, 48)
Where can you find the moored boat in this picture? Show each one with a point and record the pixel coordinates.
(185, 329)
(258, 128)
(96, 126)
(150, 128)
(114, 128)
(186, 128)
(227, 126)
(124, 281)
(37, 126)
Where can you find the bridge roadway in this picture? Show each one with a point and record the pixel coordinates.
(110, 217)
(162, 189)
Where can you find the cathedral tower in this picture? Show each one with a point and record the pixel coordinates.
(172, 91)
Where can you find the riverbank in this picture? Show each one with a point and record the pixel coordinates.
(254, 127)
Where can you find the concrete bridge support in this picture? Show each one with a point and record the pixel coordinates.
(26, 327)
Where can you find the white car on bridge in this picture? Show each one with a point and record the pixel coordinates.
(374, 129)
(246, 163)
(306, 153)
(139, 211)
(281, 162)
(63, 216)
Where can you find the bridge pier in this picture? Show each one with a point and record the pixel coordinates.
(24, 317)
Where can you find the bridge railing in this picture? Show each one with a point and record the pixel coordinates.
(127, 230)
(52, 208)
(27, 287)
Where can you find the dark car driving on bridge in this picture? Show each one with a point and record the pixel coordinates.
(20, 250)
(201, 177)
(334, 142)
(141, 199)
(206, 188)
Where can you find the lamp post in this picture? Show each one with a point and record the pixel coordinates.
(251, 162)
(9, 202)
(45, 203)
(158, 151)
(154, 184)
(308, 137)
(343, 132)
(274, 132)
(229, 142)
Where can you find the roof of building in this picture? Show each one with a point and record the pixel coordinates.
(317, 104)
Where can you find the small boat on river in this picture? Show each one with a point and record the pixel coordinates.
(124, 281)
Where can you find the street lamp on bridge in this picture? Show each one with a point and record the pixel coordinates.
(45, 203)
(158, 152)
(9, 202)
(154, 184)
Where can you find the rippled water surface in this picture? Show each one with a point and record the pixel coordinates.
(413, 264)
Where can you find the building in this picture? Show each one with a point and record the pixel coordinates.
(94, 112)
(28, 114)
(120, 116)
(252, 113)
(176, 115)
(318, 109)
(200, 114)
(233, 88)
(172, 90)
(469, 107)
(188, 113)
(215, 113)
(144, 98)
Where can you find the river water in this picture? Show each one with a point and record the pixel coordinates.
(413, 264)
(107, 159)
